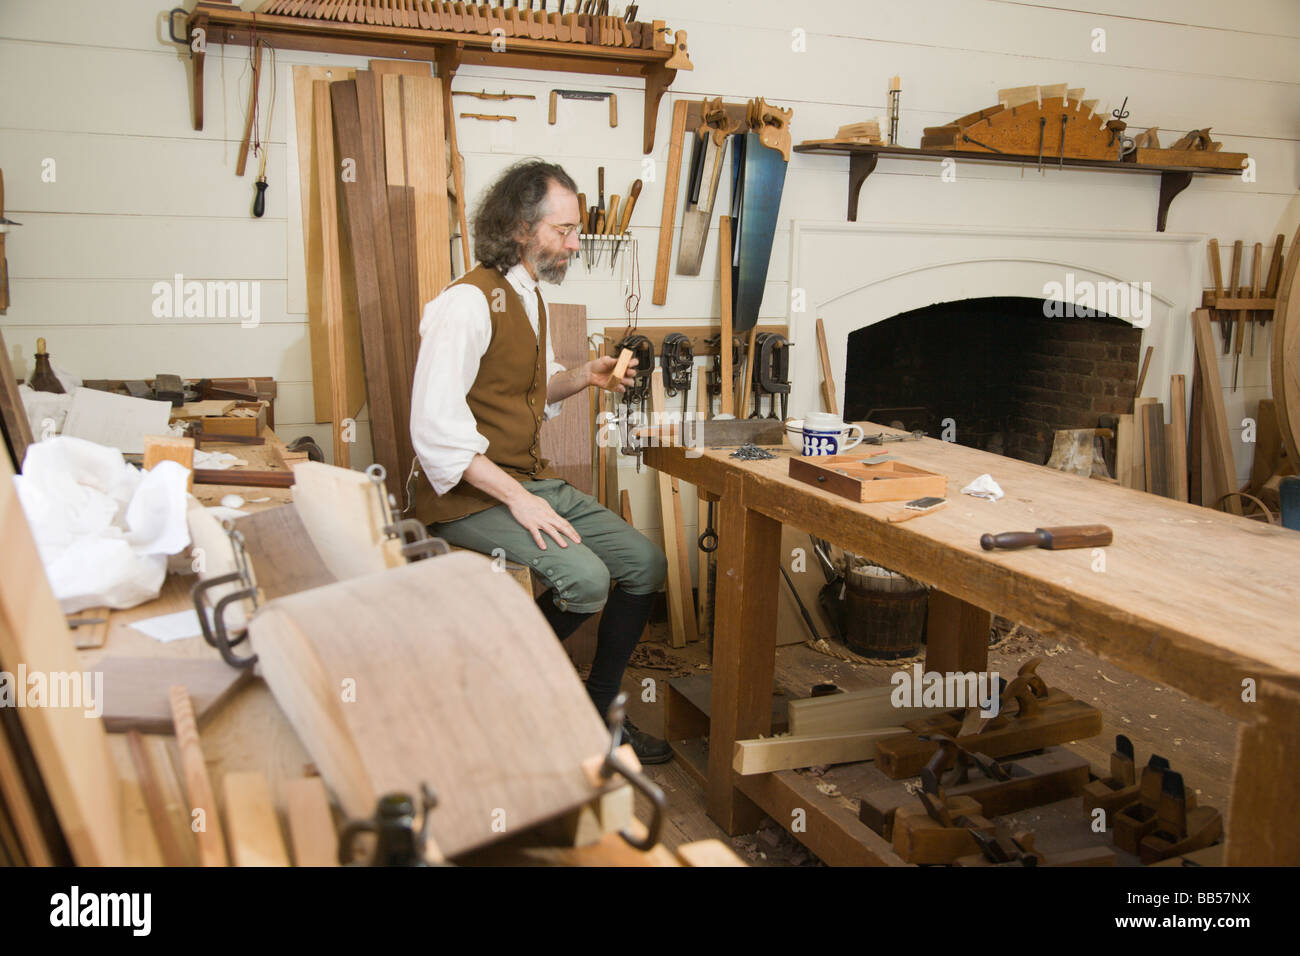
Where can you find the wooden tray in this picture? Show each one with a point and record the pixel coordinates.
(858, 480)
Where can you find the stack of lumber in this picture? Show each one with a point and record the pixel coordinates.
(379, 133)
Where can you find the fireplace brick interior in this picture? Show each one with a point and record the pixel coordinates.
(1005, 373)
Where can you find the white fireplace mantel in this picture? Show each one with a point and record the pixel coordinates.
(852, 275)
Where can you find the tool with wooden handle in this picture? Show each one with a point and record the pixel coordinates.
(1052, 539)
(628, 206)
(489, 117)
(1233, 289)
(583, 95)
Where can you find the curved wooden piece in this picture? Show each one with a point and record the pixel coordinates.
(442, 672)
(1284, 362)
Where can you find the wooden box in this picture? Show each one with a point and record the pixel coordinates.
(231, 423)
(857, 479)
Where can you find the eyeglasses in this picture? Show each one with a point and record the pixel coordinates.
(565, 230)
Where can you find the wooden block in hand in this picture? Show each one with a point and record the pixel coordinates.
(620, 369)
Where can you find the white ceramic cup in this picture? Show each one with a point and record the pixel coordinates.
(826, 434)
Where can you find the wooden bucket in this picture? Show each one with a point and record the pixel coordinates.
(884, 612)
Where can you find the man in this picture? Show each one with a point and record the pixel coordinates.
(485, 381)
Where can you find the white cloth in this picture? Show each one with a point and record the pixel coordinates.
(984, 487)
(455, 331)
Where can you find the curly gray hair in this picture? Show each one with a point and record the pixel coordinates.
(516, 198)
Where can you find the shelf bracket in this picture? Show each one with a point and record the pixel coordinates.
(861, 165)
(1171, 184)
(657, 81)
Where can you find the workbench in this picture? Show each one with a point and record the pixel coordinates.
(1203, 601)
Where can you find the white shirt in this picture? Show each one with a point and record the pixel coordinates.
(455, 331)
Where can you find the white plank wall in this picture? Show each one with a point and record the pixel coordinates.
(140, 196)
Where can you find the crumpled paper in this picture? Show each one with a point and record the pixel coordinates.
(103, 528)
(984, 487)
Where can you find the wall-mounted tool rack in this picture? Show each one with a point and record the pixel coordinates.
(863, 158)
(223, 22)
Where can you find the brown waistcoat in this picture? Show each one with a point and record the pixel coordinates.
(507, 399)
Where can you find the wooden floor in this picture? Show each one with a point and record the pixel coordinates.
(1199, 741)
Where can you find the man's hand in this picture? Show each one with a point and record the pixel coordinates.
(599, 370)
(536, 515)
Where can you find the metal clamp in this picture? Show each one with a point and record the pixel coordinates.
(613, 764)
(215, 631)
(396, 841)
(414, 537)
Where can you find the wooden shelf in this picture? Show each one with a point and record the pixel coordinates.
(225, 23)
(863, 159)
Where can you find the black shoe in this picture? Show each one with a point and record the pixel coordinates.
(648, 749)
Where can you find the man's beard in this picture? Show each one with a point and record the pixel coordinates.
(550, 267)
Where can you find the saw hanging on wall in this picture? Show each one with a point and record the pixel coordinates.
(708, 148)
(759, 162)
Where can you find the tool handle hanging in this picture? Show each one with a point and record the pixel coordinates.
(259, 201)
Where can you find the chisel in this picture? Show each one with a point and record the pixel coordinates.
(1053, 539)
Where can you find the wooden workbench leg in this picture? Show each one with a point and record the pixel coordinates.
(1261, 827)
(744, 648)
(957, 635)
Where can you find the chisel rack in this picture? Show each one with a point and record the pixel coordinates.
(449, 34)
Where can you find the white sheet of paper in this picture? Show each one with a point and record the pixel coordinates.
(170, 627)
(118, 421)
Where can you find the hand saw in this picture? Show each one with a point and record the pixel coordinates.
(707, 153)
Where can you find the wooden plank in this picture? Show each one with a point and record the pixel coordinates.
(681, 610)
(373, 312)
(330, 296)
(426, 172)
(726, 406)
(1221, 461)
(206, 822)
(791, 752)
(1196, 477)
(1124, 450)
(829, 395)
(311, 824)
(1178, 437)
(153, 798)
(17, 801)
(842, 713)
(668, 219)
(311, 197)
(1154, 450)
(390, 90)
(251, 823)
(13, 417)
(708, 853)
(454, 655)
(344, 517)
(137, 690)
(566, 440)
(1138, 476)
(69, 745)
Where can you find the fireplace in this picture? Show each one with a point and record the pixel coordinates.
(1001, 374)
(973, 290)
